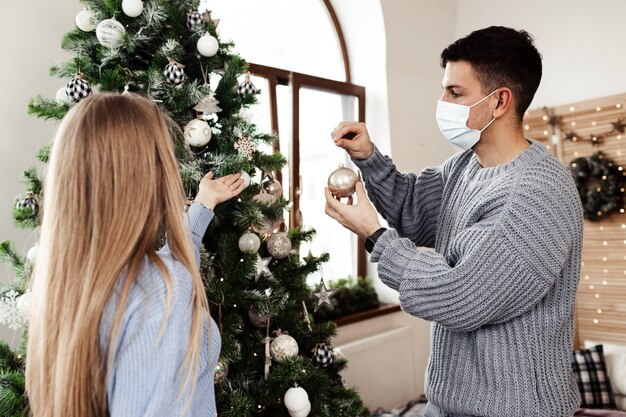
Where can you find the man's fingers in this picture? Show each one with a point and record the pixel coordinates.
(360, 191)
(350, 200)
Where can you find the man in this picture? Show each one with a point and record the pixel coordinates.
(498, 231)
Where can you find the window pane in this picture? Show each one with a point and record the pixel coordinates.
(320, 112)
(294, 35)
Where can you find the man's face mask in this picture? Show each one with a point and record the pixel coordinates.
(452, 120)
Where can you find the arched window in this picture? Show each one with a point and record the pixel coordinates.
(299, 61)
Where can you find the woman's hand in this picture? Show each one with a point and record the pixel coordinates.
(214, 191)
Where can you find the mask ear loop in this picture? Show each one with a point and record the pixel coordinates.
(484, 98)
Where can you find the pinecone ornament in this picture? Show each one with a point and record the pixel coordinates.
(174, 72)
(78, 88)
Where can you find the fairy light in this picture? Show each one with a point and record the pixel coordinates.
(597, 295)
(571, 108)
(604, 258)
(573, 124)
(591, 287)
(595, 321)
(527, 127)
(545, 118)
(598, 108)
(604, 282)
(605, 243)
(618, 105)
(545, 133)
(593, 123)
(599, 311)
(606, 271)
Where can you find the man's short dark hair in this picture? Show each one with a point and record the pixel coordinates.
(500, 57)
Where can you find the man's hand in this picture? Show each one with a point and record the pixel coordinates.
(212, 192)
(361, 218)
(360, 146)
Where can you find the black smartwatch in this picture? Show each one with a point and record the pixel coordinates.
(370, 241)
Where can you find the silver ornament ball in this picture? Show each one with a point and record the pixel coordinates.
(221, 371)
(61, 96)
(342, 182)
(279, 245)
(259, 320)
(267, 226)
(282, 347)
(273, 187)
(249, 242)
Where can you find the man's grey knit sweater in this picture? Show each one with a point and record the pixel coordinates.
(499, 282)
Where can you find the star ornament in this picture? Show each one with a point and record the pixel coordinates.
(619, 126)
(323, 295)
(261, 267)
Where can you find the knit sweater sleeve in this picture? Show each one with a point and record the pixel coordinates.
(197, 220)
(408, 202)
(502, 268)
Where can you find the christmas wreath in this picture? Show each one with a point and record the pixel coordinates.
(600, 183)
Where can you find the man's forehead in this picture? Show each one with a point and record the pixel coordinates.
(459, 74)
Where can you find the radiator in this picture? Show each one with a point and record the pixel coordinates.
(382, 368)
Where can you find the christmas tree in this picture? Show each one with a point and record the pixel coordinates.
(275, 360)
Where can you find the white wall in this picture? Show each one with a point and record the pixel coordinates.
(31, 44)
(582, 42)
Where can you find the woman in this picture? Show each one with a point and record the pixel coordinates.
(120, 329)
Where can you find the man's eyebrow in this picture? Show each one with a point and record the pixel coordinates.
(452, 86)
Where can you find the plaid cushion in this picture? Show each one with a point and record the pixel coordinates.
(592, 378)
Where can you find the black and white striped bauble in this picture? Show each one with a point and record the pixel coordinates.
(174, 73)
(78, 89)
(193, 18)
(323, 355)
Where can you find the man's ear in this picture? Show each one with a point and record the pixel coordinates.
(505, 101)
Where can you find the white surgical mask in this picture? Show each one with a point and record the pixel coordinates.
(452, 121)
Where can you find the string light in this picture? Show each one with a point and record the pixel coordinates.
(597, 295)
(604, 258)
(545, 118)
(573, 124)
(527, 127)
(571, 108)
(599, 311)
(593, 123)
(591, 287)
(618, 105)
(595, 321)
(598, 108)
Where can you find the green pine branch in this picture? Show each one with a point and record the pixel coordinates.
(47, 109)
(31, 179)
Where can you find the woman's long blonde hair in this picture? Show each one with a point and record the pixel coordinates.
(112, 186)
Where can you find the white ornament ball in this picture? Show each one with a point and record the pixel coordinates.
(302, 413)
(296, 399)
(207, 45)
(246, 178)
(32, 253)
(279, 245)
(61, 96)
(197, 133)
(249, 242)
(283, 346)
(338, 354)
(85, 20)
(24, 304)
(132, 8)
(109, 33)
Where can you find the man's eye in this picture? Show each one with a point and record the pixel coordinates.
(454, 95)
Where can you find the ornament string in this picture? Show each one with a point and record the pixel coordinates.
(268, 357)
(204, 70)
(219, 311)
(305, 313)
